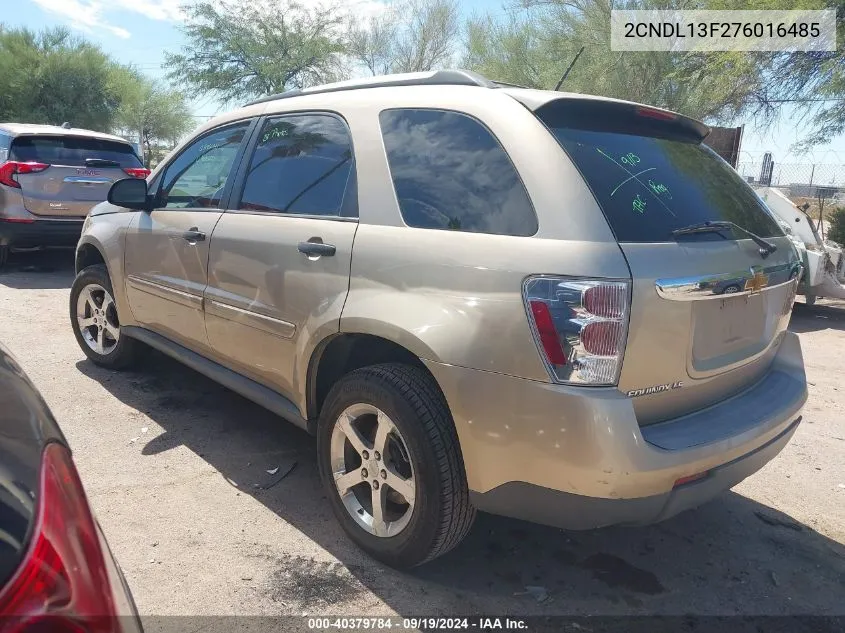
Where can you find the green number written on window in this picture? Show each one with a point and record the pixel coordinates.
(630, 159)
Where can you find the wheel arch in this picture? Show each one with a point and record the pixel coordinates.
(343, 352)
(89, 253)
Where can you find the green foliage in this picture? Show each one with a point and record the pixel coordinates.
(159, 115)
(536, 41)
(836, 227)
(237, 50)
(53, 77)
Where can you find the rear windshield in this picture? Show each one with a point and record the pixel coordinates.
(649, 186)
(72, 150)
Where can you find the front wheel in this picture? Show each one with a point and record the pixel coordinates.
(391, 464)
(95, 322)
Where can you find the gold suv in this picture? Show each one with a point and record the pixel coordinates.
(550, 306)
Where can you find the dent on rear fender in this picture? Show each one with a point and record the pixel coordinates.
(479, 331)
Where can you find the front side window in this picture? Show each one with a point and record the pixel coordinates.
(302, 164)
(197, 177)
(450, 172)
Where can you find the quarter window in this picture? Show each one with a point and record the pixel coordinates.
(198, 175)
(450, 172)
(302, 164)
(5, 143)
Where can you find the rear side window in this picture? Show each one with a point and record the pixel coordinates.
(649, 186)
(72, 150)
(450, 172)
(301, 164)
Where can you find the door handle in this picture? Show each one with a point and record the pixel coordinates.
(193, 235)
(317, 249)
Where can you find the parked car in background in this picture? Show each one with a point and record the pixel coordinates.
(50, 177)
(56, 571)
(476, 296)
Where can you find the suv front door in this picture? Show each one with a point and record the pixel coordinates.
(167, 249)
(279, 259)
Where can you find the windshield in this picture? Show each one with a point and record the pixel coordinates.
(72, 150)
(648, 187)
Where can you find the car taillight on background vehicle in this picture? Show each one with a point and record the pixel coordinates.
(12, 167)
(137, 172)
(580, 326)
(62, 585)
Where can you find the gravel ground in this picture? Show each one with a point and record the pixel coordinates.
(176, 469)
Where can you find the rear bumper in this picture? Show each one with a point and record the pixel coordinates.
(577, 458)
(40, 233)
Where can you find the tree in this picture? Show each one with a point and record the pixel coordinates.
(53, 77)
(239, 50)
(812, 83)
(536, 42)
(836, 231)
(157, 114)
(411, 36)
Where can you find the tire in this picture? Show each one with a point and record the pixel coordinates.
(441, 515)
(810, 300)
(113, 352)
(4, 255)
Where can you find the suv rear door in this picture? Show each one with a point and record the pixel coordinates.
(708, 309)
(280, 257)
(80, 170)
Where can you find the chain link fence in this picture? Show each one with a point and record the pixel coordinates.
(797, 180)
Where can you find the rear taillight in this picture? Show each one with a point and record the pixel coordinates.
(12, 167)
(137, 172)
(62, 584)
(580, 326)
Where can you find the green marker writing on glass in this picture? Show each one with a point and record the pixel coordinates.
(638, 204)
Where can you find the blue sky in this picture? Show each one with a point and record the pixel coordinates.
(139, 31)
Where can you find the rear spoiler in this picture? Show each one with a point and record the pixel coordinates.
(611, 115)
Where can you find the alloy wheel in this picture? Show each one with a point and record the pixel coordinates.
(372, 470)
(96, 316)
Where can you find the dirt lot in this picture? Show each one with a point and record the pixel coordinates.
(176, 468)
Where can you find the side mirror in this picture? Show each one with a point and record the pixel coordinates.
(130, 193)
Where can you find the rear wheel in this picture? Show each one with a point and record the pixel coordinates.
(810, 299)
(95, 322)
(391, 465)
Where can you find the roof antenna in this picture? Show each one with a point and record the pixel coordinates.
(66, 124)
(566, 74)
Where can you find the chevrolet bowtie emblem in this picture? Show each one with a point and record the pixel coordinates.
(757, 283)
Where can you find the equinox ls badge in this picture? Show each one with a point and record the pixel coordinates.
(645, 391)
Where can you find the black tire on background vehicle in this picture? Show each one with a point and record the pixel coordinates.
(4, 255)
(93, 317)
(422, 442)
(810, 300)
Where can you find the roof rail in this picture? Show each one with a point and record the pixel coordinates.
(431, 78)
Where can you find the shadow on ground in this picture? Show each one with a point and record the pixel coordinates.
(732, 556)
(48, 269)
(827, 314)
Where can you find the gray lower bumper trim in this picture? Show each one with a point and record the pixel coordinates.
(570, 511)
